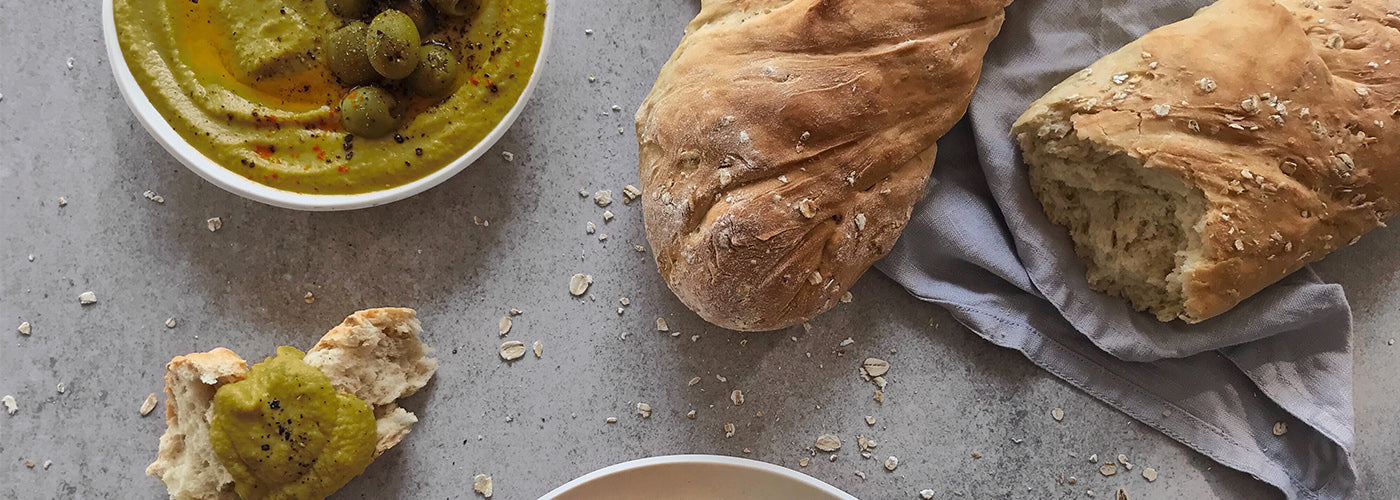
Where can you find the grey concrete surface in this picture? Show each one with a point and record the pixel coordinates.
(66, 133)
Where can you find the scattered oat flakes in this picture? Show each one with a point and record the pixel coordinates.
(10, 406)
(608, 216)
(926, 494)
(891, 463)
(737, 397)
(865, 444)
(644, 410)
(578, 284)
(1108, 469)
(590, 228)
(611, 420)
(505, 325)
(1280, 428)
(214, 223)
(603, 197)
(1123, 460)
(803, 462)
(879, 396)
(170, 322)
(87, 298)
(828, 442)
(1149, 474)
(661, 325)
(728, 430)
(151, 195)
(482, 484)
(630, 193)
(539, 350)
(309, 298)
(149, 404)
(507, 156)
(875, 367)
(869, 420)
(1058, 414)
(512, 350)
(24, 328)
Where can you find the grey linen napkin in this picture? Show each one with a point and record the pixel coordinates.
(980, 245)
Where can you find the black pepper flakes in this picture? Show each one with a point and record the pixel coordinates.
(398, 138)
(418, 151)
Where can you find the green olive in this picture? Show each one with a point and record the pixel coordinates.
(423, 18)
(346, 56)
(393, 44)
(454, 7)
(368, 112)
(436, 73)
(352, 9)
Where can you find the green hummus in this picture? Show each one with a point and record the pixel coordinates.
(246, 83)
(286, 433)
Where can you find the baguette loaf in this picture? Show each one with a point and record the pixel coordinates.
(786, 142)
(1211, 157)
(375, 355)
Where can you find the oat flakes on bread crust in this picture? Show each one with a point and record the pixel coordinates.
(786, 142)
(1211, 157)
(186, 461)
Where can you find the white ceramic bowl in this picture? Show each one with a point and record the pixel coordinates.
(696, 477)
(237, 184)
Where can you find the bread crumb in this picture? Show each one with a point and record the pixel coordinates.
(149, 404)
(24, 328)
(482, 484)
(578, 284)
(737, 397)
(644, 410)
(539, 350)
(87, 298)
(512, 350)
(214, 223)
(603, 197)
(504, 326)
(828, 442)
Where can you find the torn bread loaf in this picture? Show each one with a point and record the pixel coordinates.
(1214, 156)
(375, 355)
(786, 142)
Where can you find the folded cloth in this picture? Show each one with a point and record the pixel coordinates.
(981, 246)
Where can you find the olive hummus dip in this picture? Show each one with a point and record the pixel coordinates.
(332, 96)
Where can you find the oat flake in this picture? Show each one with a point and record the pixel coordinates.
(539, 350)
(579, 284)
(891, 463)
(24, 328)
(214, 223)
(661, 325)
(828, 442)
(603, 197)
(644, 410)
(10, 406)
(1108, 469)
(505, 325)
(170, 322)
(737, 397)
(729, 430)
(512, 350)
(1057, 414)
(87, 298)
(1149, 474)
(1280, 428)
(875, 367)
(149, 404)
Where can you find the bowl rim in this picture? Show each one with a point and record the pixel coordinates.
(778, 470)
(211, 171)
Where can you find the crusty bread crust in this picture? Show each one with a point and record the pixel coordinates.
(186, 461)
(1282, 115)
(786, 141)
(374, 354)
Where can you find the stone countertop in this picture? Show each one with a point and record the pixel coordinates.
(536, 423)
